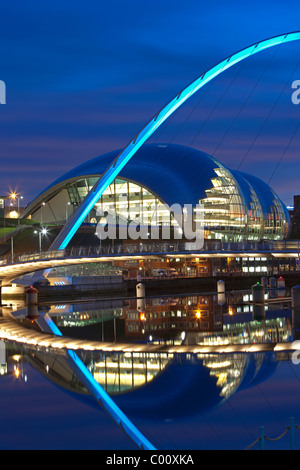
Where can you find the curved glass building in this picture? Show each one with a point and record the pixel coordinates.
(232, 205)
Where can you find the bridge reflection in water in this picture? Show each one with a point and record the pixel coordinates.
(189, 323)
(167, 392)
(149, 377)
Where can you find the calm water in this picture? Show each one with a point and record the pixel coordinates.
(178, 401)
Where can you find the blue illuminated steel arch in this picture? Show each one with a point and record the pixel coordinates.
(127, 153)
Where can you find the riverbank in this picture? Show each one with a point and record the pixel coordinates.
(116, 286)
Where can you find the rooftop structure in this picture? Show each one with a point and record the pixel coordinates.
(233, 206)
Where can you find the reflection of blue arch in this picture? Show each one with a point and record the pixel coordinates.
(100, 394)
(126, 154)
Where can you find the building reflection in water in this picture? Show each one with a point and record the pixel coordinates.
(148, 383)
(151, 385)
(192, 319)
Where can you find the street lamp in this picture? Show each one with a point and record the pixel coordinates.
(68, 204)
(43, 204)
(21, 197)
(12, 248)
(41, 232)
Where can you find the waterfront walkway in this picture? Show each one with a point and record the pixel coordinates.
(11, 268)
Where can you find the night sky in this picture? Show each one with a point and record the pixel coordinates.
(83, 78)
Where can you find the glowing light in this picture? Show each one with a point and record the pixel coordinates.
(125, 155)
(218, 365)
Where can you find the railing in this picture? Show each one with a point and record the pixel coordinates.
(144, 247)
(262, 437)
(90, 251)
(287, 245)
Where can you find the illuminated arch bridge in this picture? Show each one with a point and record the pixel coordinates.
(237, 206)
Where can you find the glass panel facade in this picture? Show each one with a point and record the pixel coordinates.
(231, 205)
(231, 214)
(224, 209)
(128, 200)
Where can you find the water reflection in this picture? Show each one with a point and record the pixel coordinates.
(188, 319)
(183, 319)
(150, 385)
(157, 383)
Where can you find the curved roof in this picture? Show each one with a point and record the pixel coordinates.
(175, 173)
(171, 394)
(264, 192)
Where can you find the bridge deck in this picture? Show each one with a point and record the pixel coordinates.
(29, 263)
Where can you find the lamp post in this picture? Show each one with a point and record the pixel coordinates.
(20, 197)
(12, 248)
(43, 204)
(41, 232)
(68, 204)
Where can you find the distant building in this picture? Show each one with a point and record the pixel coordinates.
(2, 206)
(11, 212)
(295, 218)
(2, 203)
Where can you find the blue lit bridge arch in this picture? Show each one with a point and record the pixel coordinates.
(127, 153)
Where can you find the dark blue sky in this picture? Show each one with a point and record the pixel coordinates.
(83, 78)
